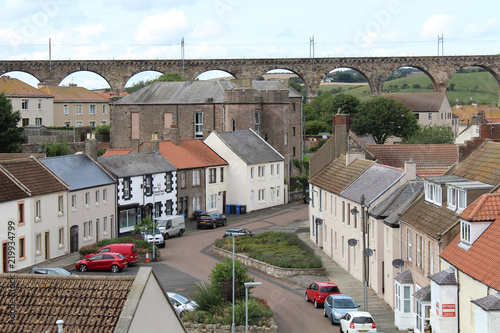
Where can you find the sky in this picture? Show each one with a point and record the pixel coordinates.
(211, 29)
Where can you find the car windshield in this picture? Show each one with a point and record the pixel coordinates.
(182, 299)
(362, 320)
(330, 289)
(121, 256)
(61, 271)
(162, 223)
(344, 303)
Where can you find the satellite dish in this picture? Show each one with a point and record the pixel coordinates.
(398, 263)
(352, 242)
(368, 252)
(307, 200)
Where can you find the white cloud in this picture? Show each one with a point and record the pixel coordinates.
(439, 24)
(207, 29)
(163, 28)
(474, 29)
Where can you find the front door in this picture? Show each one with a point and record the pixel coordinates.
(5, 257)
(73, 238)
(47, 247)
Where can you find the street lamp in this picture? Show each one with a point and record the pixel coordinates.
(248, 285)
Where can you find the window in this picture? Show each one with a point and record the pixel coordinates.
(433, 193)
(293, 107)
(61, 237)
(60, 205)
(451, 197)
(85, 229)
(462, 200)
(430, 116)
(272, 170)
(168, 180)
(20, 213)
(277, 192)
(465, 232)
(277, 169)
(343, 248)
(105, 224)
(104, 195)
(87, 199)
(293, 131)
(286, 139)
(97, 199)
(38, 121)
(103, 122)
(90, 228)
(213, 201)
(65, 108)
(407, 299)
(257, 123)
(423, 316)
(92, 124)
(24, 105)
(420, 250)
(67, 123)
(104, 109)
(262, 195)
(22, 248)
(38, 243)
(92, 109)
(79, 124)
(348, 213)
(196, 203)
(233, 125)
(212, 175)
(183, 179)
(126, 188)
(261, 171)
(196, 177)
(39, 105)
(198, 125)
(148, 183)
(293, 151)
(127, 219)
(222, 174)
(431, 258)
(168, 208)
(251, 173)
(78, 109)
(409, 245)
(38, 212)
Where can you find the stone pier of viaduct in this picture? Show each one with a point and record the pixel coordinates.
(312, 71)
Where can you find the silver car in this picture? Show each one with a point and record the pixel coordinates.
(181, 304)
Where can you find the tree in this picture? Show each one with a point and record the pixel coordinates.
(167, 77)
(222, 279)
(383, 117)
(55, 149)
(11, 136)
(303, 175)
(145, 226)
(316, 126)
(324, 106)
(436, 134)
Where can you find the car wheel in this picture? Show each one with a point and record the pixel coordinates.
(324, 313)
(214, 225)
(181, 314)
(316, 305)
(162, 245)
(166, 236)
(333, 323)
(307, 298)
(115, 269)
(181, 232)
(82, 268)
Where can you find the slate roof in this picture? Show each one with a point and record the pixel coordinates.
(250, 147)
(190, 154)
(446, 277)
(420, 102)
(78, 171)
(489, 303)
(482, 260)
(404, 277)
(466, 112)
(136, 164)
(483, 164)
(10, 188)
(390, 208)
(73, 93)
(372, 183)
(15, 87)
(34, 176)
(117, 151)
(85, 303)
(193, 92)
(423, 294)
(431, 160)
(335, 177)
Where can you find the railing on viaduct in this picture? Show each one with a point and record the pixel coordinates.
(312, 71)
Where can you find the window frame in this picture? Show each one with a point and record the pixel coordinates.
(198, 125)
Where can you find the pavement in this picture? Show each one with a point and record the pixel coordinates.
(381, 311)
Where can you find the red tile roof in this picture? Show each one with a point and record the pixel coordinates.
(108, 93)
(190, 153)
(466, 112)
(433, 159)
(12, 87)
(484, 208)
(73, 93)
(482, 260)
(34, 176)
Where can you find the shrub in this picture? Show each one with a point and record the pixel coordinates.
(207, 297)
(258, 314)
(142, 246)
(222, 279)
(88, 249)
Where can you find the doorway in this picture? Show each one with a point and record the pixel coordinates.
(47, 247)
(5, 257)
(73, 238)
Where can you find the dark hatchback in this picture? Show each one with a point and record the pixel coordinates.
(210, 220)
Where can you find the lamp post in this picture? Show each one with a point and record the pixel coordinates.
(248, 285)
(153, 220)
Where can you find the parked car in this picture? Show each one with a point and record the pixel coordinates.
(337, 305)
(49, 271)
(114, 262)
(318, 291)
(181, 303)
(354, 322)
(237, 232)
(171, 225)
(211, 220)
(158, 238)
(129, 250)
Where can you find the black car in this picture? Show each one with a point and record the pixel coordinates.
(210, 220)
(237, 232)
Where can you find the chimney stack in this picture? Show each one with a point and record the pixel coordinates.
(411, 170)
(91, 146)
(155, 143)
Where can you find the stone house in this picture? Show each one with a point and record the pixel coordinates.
(77, 106)
(35, 106)
(91, 203)
(255, 172)
(193, 109)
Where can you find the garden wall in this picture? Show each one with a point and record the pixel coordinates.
(218, 328)
(269, 269)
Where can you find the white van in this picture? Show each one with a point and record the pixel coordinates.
(171, 225)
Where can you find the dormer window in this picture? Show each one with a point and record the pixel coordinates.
(433, 193)
(465, 232)
(457, 199)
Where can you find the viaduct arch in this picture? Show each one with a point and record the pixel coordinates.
(440, 69)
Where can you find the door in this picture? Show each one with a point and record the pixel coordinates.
(47, 246)
(251, 200)
(97, 230)
(73, 238)
(5, 257)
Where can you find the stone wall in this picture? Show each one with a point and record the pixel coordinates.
(217, 328)
(269, 269)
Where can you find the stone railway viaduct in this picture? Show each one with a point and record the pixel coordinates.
(312, 71)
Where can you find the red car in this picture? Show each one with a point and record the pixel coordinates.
(319, 291)
(114, 262)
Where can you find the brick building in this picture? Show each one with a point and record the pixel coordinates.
(192, 109)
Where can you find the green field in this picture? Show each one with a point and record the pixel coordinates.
(480, 87)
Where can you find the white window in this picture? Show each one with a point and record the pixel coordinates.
(38, 246)
(420, 249)
(251, 173)
(61, 237)
(85, 229)
(451, 197)
(65, 107)
(79, 124)
(168, 182)
(198, 125)
(407, 299)
(212, 175)
(465, 232)
(183, 179)
(90, 228)
(104, 109)
(126, 188)
(97, 200)
(196, 177)
(78, 109)
(103, 122)
(67, 123)
(286, 139)
(24, 104)
(92, 109)
(92, 124)
(262, 171)
(39, 105)
(38, 121)
(38, 210)
(257, 123)
(423, 316)
(87, 199)
(277, 192)
(262, 193)
(277, 169)
(272, 170)
(104, 195)
(73, 201)
(196, 203)
(105, 224)
(60, 204)
(213, 201)
(409, 245)
(433, 193)
(462, 200)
